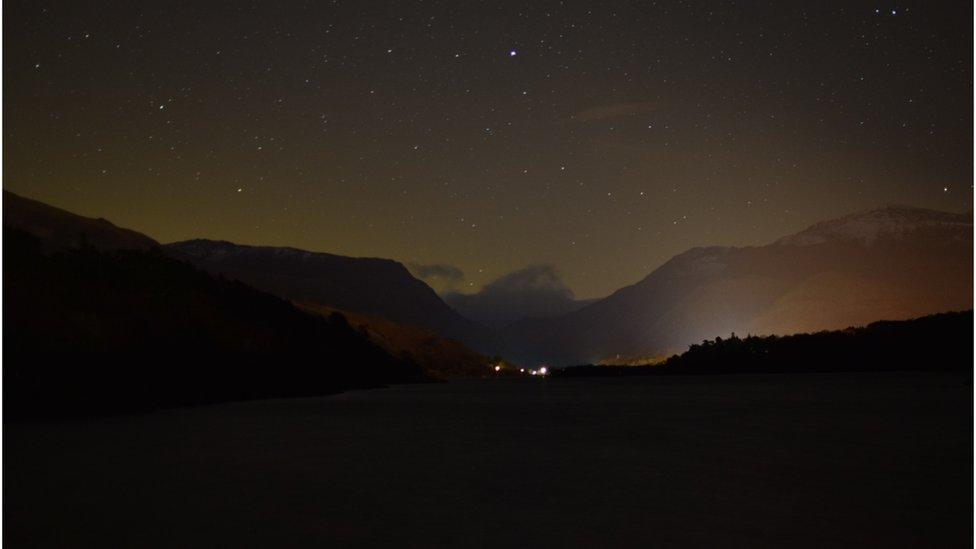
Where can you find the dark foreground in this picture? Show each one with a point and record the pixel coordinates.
(882, 459)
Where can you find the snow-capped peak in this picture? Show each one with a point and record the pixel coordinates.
(868, 226)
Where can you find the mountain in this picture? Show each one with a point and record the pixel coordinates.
(123, 326)
(892, 222)
(536, 291)
(367, 286)
(438, 356)
(56, 228)
(893, 263)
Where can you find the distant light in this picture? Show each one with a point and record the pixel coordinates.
(498, 368)
(512, 53)
(543, 370)
(522, 370)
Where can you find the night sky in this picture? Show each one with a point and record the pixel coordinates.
(601, 138)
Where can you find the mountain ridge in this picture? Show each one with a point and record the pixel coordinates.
(868, 225)
(57, 227)
(876, 263)
(814, 279)
(93, 331)
(369, 286)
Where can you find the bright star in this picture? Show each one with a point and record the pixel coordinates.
(512, 53)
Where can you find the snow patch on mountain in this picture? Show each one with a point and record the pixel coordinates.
(869, 226)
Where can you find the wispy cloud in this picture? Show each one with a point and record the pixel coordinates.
(440, 274)
(535, 291)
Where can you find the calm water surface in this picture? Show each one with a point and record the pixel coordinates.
(778, 460)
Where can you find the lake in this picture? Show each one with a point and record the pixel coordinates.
(738, 460)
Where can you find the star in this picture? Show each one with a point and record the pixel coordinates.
(512, 53)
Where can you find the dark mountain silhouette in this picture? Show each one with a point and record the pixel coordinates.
(439, 356)
(368, 286)
(894, 262)
(56, 228)
(537, 291)
(941, 342)
(123, 326)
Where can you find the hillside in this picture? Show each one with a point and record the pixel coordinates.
(930, 343)
(89, 330)
(895, 263)
(368, 286)
(438, 356)
(56, 228)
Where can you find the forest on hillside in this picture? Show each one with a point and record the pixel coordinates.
(90, 331)
(932, 343)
